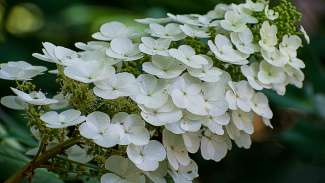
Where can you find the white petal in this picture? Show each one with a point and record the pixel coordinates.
(99, 119)
(139, 136)
(122, 45)
(117, 164)
(154, 151)
(175, 128)
(134, 155)
(70, 115)
(207, 149)
(231, 99)
(148, 165)
(51, 117)
(112, 29)
(111, 178)
(243, 121)
(89, 130)
(13, 102)
(192, 141)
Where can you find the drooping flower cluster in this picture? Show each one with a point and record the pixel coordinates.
(195, 80)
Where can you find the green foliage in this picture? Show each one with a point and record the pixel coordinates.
(122, 104)
(42, 175)
(198, 45)
(80, 94)
(289, 18)
(25, 86)
(288, 21)
(11, 161)
(33, 114)
(134, 67)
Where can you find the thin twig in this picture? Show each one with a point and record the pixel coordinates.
(81, 164)
(41, 159)
(41, 148)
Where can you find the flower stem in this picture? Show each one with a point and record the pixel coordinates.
(42, 158)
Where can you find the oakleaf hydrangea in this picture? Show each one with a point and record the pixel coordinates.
(141, 103)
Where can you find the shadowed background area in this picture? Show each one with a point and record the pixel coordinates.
(293, 152)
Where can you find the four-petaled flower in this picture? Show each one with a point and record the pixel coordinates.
(64, 119)
(147, 157)
(20, 71)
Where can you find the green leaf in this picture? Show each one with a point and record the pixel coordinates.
(90, 179)
(306, 139)
(320, 103)
(11, 161)
(17, 127)
(288, 101)
(42, 176)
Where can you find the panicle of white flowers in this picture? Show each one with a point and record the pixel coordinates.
(188, 83)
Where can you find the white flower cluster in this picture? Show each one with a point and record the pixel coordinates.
(194, 103)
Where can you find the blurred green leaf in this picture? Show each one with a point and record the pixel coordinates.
(307, 139)
(11, 161)
(320, 104)
(42, 176)
(17, 128)
(289, 101)
(90, 180)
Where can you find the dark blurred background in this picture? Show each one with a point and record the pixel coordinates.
(293, 152)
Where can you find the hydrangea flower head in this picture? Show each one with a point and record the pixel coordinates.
(136, 104)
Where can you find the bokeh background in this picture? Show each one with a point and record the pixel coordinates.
(294, 152)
